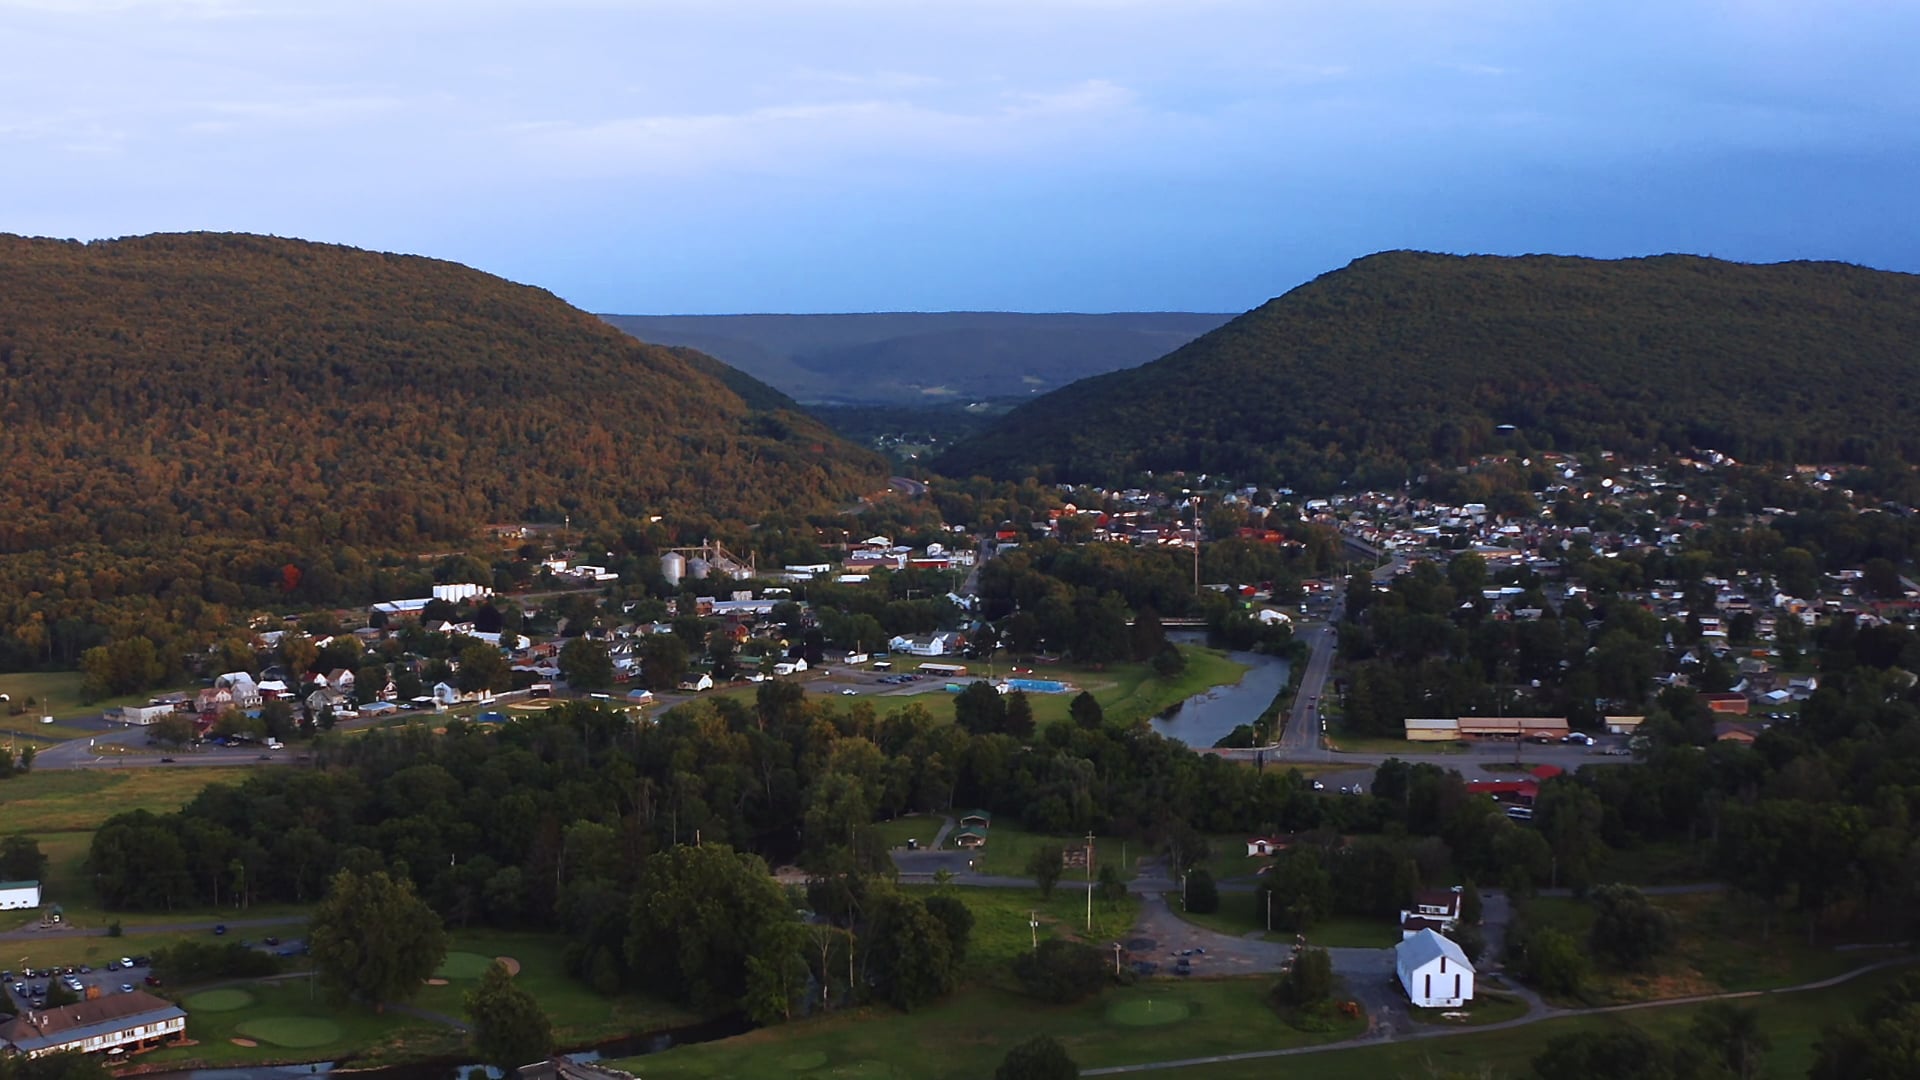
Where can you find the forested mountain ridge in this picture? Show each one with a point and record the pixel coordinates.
(257, 386)
(1404, 359)
(199, 422)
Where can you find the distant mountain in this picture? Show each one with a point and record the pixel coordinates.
(1400, 360)
(923, 358)
(234, 386)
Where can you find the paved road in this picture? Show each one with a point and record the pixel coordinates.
(1534, 1017)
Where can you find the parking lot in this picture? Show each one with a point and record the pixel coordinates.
(29, 988)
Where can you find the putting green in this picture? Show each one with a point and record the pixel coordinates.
(464, 965)
(226, 999)
(804, 1060)
(1149, 1012)
(291, 1031)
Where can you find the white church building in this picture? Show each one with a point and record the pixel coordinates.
(1433, 971)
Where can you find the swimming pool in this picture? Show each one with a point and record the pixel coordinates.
(1039, 686)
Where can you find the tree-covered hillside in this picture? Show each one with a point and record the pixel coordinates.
(264, 387)
(1404, 359)
(194, 424)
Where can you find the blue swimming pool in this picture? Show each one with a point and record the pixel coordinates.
(1039, 686)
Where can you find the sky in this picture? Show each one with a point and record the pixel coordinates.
(718, 156)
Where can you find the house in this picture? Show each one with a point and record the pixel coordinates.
(970, 838)
(446, 694)
(1732, 731)
(976, 819)
(134, 1020)
(341, 679)
(325, 697)
(246, 695)
(790, 667)
(697, 682)
(639, 697)
(1432, 909)
(213, 701)
(1433, 971)
(1265, 845)
(1725, 704)
(15, 895)
(939, 644)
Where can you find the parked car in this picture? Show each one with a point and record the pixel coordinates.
(220, 929)
(153, 980)
(126, 988)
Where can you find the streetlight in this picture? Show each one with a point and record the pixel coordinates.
(1033, 927)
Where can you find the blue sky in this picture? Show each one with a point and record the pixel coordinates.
(687, 156)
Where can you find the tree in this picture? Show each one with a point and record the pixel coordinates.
(1018, 719)
(484, 667)
(1086, 711)
(1039, 1058)
(1609, 1055)
(1308, 981)
(1111, 888)
(663, 660)
(1553, 961)
(957, 918)
(1733, 1037)
(1062, 971)
(1628, 930)
(1569, 816)
(509, 1027)
(586, 665)
(1200, 894)
(21, 860)
(701, 911)
(1297, 892)
(979, 708)
(1045, 866)
(1471, 906)
(373, 939)
(909, 948)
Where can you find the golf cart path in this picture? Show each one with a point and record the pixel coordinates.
(1534, 1017)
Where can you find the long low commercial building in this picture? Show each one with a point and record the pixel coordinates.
(131, 1021)
(1486, 727)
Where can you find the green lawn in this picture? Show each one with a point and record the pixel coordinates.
(291, 1024)
(579, 1015)
(1009, 847)
(965, 1036)
(921, 827)
(74, 800)
(1366, 744)
(1792, 1021)
(1126, 692)
(1002, 918)
(55, 694)
(1487, 1007)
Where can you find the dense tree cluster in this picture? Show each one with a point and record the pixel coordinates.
(1368, 374)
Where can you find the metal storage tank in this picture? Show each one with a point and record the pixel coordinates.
(673, 566)
(698, 568)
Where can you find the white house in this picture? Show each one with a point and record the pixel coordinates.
(702, 681)
(1433, 909)
(145, 714)
(1265, 845)
(927, 645)
(790, 667)
(246, 695)
(446, 694)
(1433, 971)
(19, 894)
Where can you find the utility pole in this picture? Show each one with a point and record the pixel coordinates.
(1116, 958)
(1196, 547)
(1269, 908)
(1033, 927)
(1089, 881)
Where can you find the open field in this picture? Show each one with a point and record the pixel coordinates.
(76, 800)
(1009, 847)
(921, 827)
(55, 694)
(579, 1015)
(1363, 744)
(290, 1024)
(1001, 917)
(1720, 944)
(1669, 863)
(54, 949)
(965, 1036)
(1791, 1021)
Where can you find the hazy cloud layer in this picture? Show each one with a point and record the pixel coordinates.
(704, 155)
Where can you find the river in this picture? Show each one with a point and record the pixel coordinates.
(1206, 718)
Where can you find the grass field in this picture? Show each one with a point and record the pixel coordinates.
(291, 1024)
(965, 1036)
(1363, 744)
(921, 827)
(55, 694)
(79, 800)
(1009, 847)
(579, 1015)
(1791, 1021)
(1001, 917)
(1720, 944)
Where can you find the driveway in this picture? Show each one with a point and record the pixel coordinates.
(1159, 936)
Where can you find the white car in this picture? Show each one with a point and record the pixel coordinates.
(849, 692)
